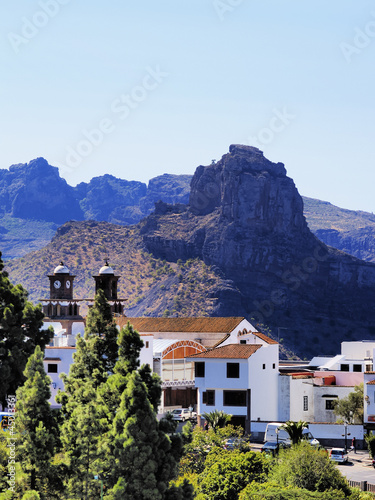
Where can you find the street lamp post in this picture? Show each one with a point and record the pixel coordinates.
(346, 436)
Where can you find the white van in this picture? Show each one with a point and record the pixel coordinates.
(271, 434)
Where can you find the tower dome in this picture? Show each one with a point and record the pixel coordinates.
(106, 269)
(61, 269)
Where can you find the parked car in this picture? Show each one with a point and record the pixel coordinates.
(338, 455)
(182, 414)
(273, 447)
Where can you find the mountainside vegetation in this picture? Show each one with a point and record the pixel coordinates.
(153, 287)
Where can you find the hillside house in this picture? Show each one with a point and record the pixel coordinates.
(240, 379)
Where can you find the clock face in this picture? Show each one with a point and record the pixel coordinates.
(57, 284)
(68, 284)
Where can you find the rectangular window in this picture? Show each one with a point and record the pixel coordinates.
(52, 368)
(147, 344)
(233, 370)
(330, 404)
(208, 398)
(273, 366)
(357, 368)
(234, 398)
(242, 341)
(344, 368)
(264, 366)
(305, 403)
(369, 368)
(199, 369)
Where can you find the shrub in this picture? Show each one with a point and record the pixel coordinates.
(305, 467)
(228, 472)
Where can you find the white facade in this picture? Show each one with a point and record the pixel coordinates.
(57, 360)
(356, 356)
(146, 354)
(256, 384)
(312, 402)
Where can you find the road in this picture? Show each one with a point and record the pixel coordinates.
(358, 470)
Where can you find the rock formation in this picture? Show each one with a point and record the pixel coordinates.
(245, 216)
(36, 191)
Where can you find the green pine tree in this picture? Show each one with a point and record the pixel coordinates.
(35, 425)
(101, 332)
(144, 462)
(81, 427)
(20, 333)
(85, 414)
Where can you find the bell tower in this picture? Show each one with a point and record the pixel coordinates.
(61, 306)
(107, 281)
(61, 283)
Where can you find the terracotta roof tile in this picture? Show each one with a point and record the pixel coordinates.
(265, 338)
(372, 382)
(230, 351)
(187, 325)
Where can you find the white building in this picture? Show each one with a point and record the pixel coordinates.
(312, 396)
(240, 379)
(57, 360)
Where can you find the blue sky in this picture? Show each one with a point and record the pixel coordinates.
(138, 89)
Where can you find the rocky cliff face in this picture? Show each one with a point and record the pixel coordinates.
(36, 191)
(357, 242)
(245, 216)
(351, 231)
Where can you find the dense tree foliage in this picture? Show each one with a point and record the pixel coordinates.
(110, 426)
(370, 440)
(303, 466)
(351, 407)
(200, 443)
(36, 426)
(143, 463)
(226, 473)
(20, 332)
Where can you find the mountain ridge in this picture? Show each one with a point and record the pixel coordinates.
(241, 247)
(126, 202)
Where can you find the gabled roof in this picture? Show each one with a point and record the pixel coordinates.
(264, 337)
(230, 351)
(186, 325)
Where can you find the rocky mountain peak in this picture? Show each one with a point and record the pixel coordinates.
(246, 187)
(35, 190)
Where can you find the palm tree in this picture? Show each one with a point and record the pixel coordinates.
(217, 419)
(295, 430)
